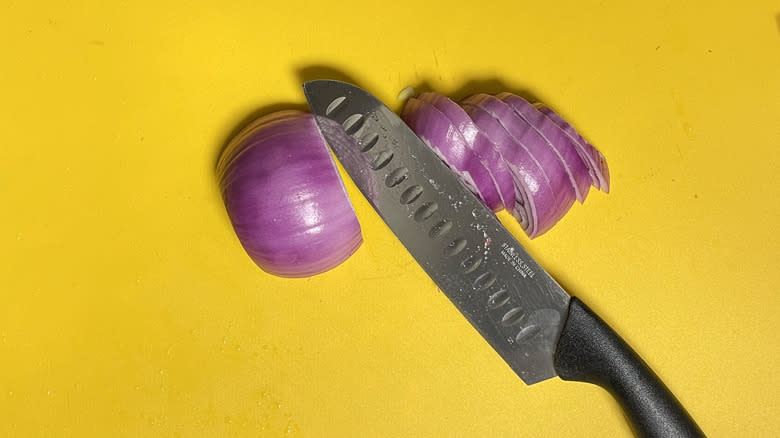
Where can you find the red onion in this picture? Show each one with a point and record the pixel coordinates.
(438, 132)
(543, 196)
(548, 163)
(556, 139)
(285, 197)
(290, 211)
(593, 158)
(483, 147)
(530, 129)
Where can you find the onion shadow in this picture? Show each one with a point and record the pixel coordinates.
(493, 85)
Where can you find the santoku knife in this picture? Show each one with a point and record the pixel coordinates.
(536, 327)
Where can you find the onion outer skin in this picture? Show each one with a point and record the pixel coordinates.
(285, 197)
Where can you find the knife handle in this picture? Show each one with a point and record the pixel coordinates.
(590, 351)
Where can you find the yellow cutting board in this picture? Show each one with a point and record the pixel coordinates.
(129, 308)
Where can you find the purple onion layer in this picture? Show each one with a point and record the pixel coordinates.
(285, 198)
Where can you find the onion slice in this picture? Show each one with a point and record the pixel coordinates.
(486, 150)
(548, 133)
(593, 158)
(285, 198)
(542, 199)
(523, 134)
(438, 132)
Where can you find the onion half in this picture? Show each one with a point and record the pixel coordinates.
(285, 198)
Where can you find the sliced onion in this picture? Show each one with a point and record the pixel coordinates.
(593, 158)
(290, 210)
(483, 147)
(438, 132)
(543, 196)
(515, 131)
(285, 198)
(550, 135)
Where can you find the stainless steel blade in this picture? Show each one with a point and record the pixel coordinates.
(516, 306)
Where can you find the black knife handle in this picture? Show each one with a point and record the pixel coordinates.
(590, 351)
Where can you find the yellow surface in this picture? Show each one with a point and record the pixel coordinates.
(130, 309)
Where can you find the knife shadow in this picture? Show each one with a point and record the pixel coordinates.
(777, 19)
(313, 72)
(493, 86)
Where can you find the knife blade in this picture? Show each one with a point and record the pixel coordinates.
(518, 308)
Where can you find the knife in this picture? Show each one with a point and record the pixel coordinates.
(522, 312)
